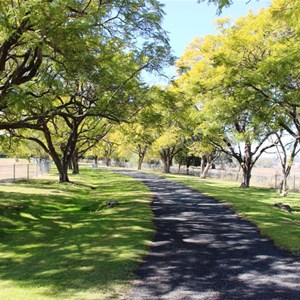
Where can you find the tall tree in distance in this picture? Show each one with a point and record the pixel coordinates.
(233, 117)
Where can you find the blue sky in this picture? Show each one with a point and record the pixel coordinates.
(186, 19)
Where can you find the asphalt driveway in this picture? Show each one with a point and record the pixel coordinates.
(202, 250)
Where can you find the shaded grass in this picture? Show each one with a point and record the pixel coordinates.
(60, 241)
(256, 205)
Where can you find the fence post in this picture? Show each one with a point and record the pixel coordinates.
(14, 173)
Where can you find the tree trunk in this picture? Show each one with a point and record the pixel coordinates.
(96, 160)
(246, 177)
(63, 177)
(179, 168)
(62, 171)
(75, 163)
(206, 164)
(166, 157)
(247, 165)
(283, 187)
(286, 167)
(167, 165)
(142, 153)
(61, 164)
(203, 164)
(140, 163)
(205, 171)
(188, 163)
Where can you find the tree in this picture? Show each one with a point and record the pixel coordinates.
(37, 34)
(280, 85)
(270, 69)
(116, 41)
(184, 158)
(20, 149)
(108, 147)
(172, 132)
(168, 145)
(33, 36)
(91, 132)
(286, 152)
(68, 132)
(39, 44)
(233, 117)
(208, 153)
(139, 134)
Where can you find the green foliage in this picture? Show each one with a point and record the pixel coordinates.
(61, 241)
(45, 44)
(20, 149)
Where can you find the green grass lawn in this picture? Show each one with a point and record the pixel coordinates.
(60, 241)
(256, 205)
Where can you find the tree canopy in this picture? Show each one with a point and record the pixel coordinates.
(70, 73)
(244, 83)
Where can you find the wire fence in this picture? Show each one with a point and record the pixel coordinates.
(262, 178)
(21, 171)
(268, 180)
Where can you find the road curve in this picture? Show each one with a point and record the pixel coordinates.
(202, 250)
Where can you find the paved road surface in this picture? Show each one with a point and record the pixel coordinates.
(203, 251)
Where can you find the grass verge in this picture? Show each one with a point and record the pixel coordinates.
(256, 205)
(60, 241)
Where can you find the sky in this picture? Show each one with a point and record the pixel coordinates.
(187, 19)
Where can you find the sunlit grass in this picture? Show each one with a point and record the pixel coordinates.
(60, 241)
(256, 205)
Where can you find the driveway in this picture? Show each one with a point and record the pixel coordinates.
(202, 250)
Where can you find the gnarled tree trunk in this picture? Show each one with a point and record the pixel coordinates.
(286, 165)
(246, 176)
(141, 153)
(167, 158)
(205, 171)
(75, 162)
(167, 155)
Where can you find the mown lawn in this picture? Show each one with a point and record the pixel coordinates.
(256, 205)
(60, 241)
